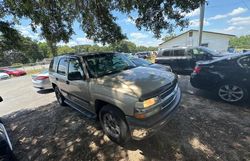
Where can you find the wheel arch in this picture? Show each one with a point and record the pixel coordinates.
(99, 104)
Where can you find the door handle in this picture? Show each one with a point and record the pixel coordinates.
(67, 82)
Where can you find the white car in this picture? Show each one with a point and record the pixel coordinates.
(41, 81)
(4, 76)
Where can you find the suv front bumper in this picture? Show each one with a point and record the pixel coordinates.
(143, 128)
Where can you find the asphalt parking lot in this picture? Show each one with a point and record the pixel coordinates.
(204, 128)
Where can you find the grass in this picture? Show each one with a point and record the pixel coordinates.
(34, 71)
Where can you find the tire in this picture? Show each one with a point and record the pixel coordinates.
(114, 124)
(232, 92)
(59, 97)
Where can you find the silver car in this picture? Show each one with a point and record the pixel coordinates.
(41, 81)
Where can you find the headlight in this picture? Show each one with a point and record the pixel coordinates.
(147, 103)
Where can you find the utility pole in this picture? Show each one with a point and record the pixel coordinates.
(202, 11)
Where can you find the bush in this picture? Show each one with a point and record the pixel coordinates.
(17, 65)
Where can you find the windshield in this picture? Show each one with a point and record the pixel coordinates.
(140, 62)
(108, 63)
(207, 50)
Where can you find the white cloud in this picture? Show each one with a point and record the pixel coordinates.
(196, 23)
(27, 32)
(138, 35)
(239, 21)
(84, 40)
(234, 12)
(77, 41)
(237, 11)
(193, 13)
(129, 20)
(233, 30)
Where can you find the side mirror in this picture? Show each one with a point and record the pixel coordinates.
(1, 99)
(75, 76)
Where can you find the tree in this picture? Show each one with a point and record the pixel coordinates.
(46, 52)
(65, 49)
(56, 17)
(242, 42)
(124, 46)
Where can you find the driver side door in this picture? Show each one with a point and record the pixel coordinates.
(78, 86)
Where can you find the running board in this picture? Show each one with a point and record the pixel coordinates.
(81, 110)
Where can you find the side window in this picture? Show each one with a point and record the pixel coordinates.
(75, 70)
(179, 52)
(62, 66)
(198, 51)
(244, 62)
(167, 53)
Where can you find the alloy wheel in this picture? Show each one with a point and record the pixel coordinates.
(111, 125)
(231, 93)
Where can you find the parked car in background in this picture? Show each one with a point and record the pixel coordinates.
(144, 63)
(6, 153)
(13, 71)
(228, 76)
(182, 60)
(41, 80)
(143, 54)
(128, 101)
(4, 76)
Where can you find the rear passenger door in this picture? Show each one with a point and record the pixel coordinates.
(166, 58)
(78, 86)
(61, 76)
(182, 60)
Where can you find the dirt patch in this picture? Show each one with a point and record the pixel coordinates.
(202, 129)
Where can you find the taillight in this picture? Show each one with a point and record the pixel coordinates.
(41, 77)
(197, 69)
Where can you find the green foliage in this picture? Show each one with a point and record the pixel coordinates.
(168, 37)
(65, 49)
(122, 46)
(43, 46)
(242, 42)
(56, 18)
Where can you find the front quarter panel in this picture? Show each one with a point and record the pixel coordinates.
(117, 96)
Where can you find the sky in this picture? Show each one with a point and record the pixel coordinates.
(225, 16)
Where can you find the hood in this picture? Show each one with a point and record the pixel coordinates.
(140, 80)
(161, 67)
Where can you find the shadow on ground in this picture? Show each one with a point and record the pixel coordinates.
(46, 91)
(201, 130)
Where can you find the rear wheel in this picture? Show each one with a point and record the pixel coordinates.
(231, 92)
(114, 124)
(59, 97)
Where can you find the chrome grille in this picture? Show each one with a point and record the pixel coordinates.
(169, 96)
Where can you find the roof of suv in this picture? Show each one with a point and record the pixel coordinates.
(86, 54)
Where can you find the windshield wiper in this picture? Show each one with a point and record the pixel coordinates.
(128, 67)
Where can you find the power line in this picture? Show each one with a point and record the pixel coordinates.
(245, 4)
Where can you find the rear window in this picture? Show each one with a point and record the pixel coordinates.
(53, 64)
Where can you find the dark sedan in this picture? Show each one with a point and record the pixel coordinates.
(228, 76)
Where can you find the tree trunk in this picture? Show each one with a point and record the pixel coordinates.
(53, 48)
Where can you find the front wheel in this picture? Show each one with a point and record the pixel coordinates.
(232, 93)
(59, 97)
(114, 124)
